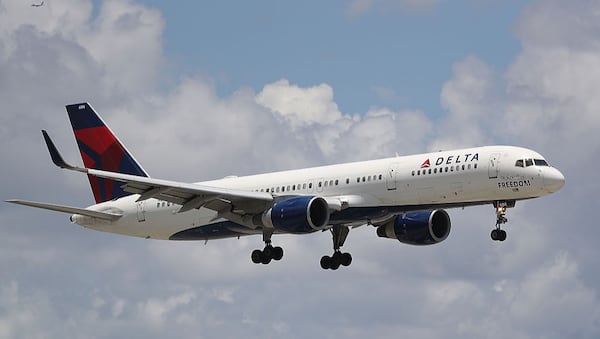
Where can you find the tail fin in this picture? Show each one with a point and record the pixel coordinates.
(101, 149)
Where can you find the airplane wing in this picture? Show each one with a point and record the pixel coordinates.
(189, 196)
(68, 209)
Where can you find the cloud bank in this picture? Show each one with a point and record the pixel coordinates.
(60, 280)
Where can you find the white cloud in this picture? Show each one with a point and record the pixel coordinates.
(302, 106)
(155, 310)
(473, 112)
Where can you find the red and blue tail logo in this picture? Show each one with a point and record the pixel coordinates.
(101, 149)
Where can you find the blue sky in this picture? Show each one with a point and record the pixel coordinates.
(199, 91)
(409, 52)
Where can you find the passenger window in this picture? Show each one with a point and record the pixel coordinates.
(310, 185)
(446, 169)
(330, 182)
(364, 179)
(435, 170)
(413, 173)
(347, 181)
(293, 187)
(469, 166)
(320, 184)
(430, 171)
(288, 188)
(419, 172)
(380, 177)
(157, 204)
(336, 182)
(303, 186)
(475, 166)
(463, 167)
(369, 178)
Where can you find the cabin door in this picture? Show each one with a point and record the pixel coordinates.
(493, 166)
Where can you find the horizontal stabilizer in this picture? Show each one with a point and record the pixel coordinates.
(67, 209)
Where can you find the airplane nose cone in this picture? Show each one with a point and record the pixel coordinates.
(553, 180)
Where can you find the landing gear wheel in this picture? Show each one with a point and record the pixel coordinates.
(502, 235)
(265, 259)
(257, 256)
(346, 259)
(325, 262)
(268, 251)
(494, 234)
(498, 234)
(336, 260)
(277, 253)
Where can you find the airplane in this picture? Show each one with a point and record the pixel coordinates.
(403, 197)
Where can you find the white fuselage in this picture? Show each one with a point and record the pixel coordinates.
(357, 193)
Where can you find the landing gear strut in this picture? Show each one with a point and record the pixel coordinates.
(339, 233)
(269, 252)
(498, 234)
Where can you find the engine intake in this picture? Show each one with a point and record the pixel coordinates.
(419, 228)
(303, 214)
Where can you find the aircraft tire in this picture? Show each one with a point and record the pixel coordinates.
(346, 259)
(277, 253)
(502, 235)
(326, 262)
(257, 256)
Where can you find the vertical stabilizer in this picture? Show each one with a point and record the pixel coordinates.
(101, 149)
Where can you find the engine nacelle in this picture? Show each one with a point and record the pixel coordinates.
(303, 214)
(419, 228)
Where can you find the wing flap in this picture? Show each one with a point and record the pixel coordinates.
(67, 209)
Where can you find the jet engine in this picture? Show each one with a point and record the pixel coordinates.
(418, 228)
(302, 214)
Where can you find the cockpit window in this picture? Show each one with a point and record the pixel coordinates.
(528, 162)
(519, 163)
(540, 162)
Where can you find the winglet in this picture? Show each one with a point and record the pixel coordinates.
(57, 159)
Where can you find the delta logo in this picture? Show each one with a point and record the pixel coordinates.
(452, 159)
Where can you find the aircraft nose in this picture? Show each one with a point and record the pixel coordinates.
(553, 180)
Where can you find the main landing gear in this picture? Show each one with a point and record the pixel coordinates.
(268, 253)
(498, 234)
(339, 233)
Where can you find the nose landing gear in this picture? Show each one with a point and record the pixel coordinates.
(498, 234)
